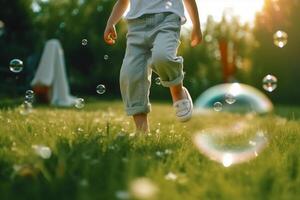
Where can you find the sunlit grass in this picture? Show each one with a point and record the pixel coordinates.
(96, 155)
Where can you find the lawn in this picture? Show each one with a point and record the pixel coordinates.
(93, 153)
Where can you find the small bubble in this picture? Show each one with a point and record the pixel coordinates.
(230, 98)
(218, 106)
(16, 65)
(269, 83)
(29, 94)
(208, 38)
(79, 103)
(84, 42)
(280, 38)
(101, 89)
(26, 108)
(158, 81)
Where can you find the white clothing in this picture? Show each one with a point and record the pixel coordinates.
(51, 72)
(141, 7)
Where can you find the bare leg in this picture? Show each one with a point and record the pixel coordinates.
(177, 92)
(141, 122)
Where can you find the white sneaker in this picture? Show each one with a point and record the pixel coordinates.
(184, 107)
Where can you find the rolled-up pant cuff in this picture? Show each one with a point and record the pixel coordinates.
(174, 82)
(138, 110)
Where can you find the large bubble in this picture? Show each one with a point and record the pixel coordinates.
(235, 97)
(233, 131)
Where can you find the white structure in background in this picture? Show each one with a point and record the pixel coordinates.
(51, 72)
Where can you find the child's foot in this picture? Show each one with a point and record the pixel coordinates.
(184, 107)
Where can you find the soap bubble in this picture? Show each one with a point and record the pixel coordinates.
(79, 103)
(29, 94)
(269, 83)
(100, 89)
(16, 65)
(84, 42)
(157, 81)
(236, 133)
(230, 98)
(26, 108)
(247, 99)
(218, 106)
(280, 38)
(226, 146)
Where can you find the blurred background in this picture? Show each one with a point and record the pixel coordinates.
(241, 44)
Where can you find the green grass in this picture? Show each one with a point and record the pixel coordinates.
(95, 155)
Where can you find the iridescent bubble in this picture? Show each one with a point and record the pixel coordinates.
(247, 99)
(29, 100)
(230, 98)
(211, 144)
(106, 57)
(16, 65)
(208, 38)
(218, 106)
(79, 103)
(157, 81)
(26, 108)
(29, 94)
(280, 38)
(84, 42)
(269, 83)
(101, 89)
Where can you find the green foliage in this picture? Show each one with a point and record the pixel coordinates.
(281, 62)
(73, 20)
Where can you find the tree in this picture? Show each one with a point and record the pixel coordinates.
(282, 62)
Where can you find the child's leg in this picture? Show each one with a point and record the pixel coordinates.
(141, 122)
(177, 92)
(135, 78)
(165, 61)
(169, 66)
